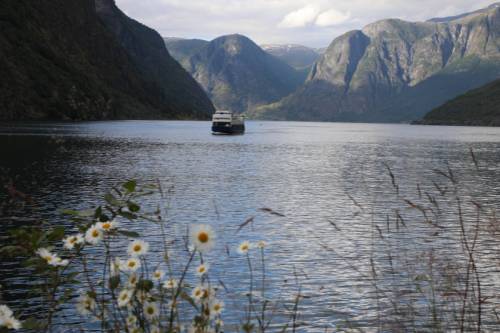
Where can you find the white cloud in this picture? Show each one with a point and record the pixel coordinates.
(300, 17)
(310, 22)
(332, 17)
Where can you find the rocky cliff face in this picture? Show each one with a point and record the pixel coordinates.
(238, 75)
(183, 49)
(394, 70)
(59, 61)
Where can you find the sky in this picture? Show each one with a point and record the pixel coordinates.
(313, 23)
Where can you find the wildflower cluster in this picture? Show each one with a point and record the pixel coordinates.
(7, 319)
(121, 287)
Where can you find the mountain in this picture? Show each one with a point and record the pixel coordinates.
(238, 75)
(147, 50)
(183, 49)
(59, 61)
(479, 107)
(297, 56)
(396, 71)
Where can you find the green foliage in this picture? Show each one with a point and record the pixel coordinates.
(53, 68)
(122, 295)
(479, 107)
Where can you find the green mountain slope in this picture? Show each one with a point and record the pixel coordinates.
(59, 61)
(479, 107)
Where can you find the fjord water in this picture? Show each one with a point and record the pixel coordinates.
(305, 171)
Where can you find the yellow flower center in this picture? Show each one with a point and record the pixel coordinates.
(203, 237)
(216, 307)
(124, 297)
(131, 264)
(95, 233)
(137, 248)
(202, 269)
(197, 293)
(106, 226)
(150, 310)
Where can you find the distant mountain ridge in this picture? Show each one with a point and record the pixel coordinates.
(238, 75)
(396, 71)
(58, 60)
(297, 56)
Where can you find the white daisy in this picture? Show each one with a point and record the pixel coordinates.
(244, 247)
(86, 305)
(71, 241)
(261, 244)
(197, 293)
(46, 255)
(131, 320)
(150, 310)
(216, 307)
(107, 226)
(202, 237)
(138, 248)
(5, 311)
(124, 297)
(114, 267)
(158, 275)
(10, 323)
(60, 262)
(202, 269)
(132, 280)
(170, 284)
(93, 235)
(130, 265)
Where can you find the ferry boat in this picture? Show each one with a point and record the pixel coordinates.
(225, 122)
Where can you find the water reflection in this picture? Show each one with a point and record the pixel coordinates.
(303, 170)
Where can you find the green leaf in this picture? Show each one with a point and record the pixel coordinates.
(56, 234)
(127, 215)
(80, 213)
(110, 199)
(114, 282)
(133, 207)
(98, 212)
(145, 285)
(130, 186)
(421, 277)
(33, 324)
